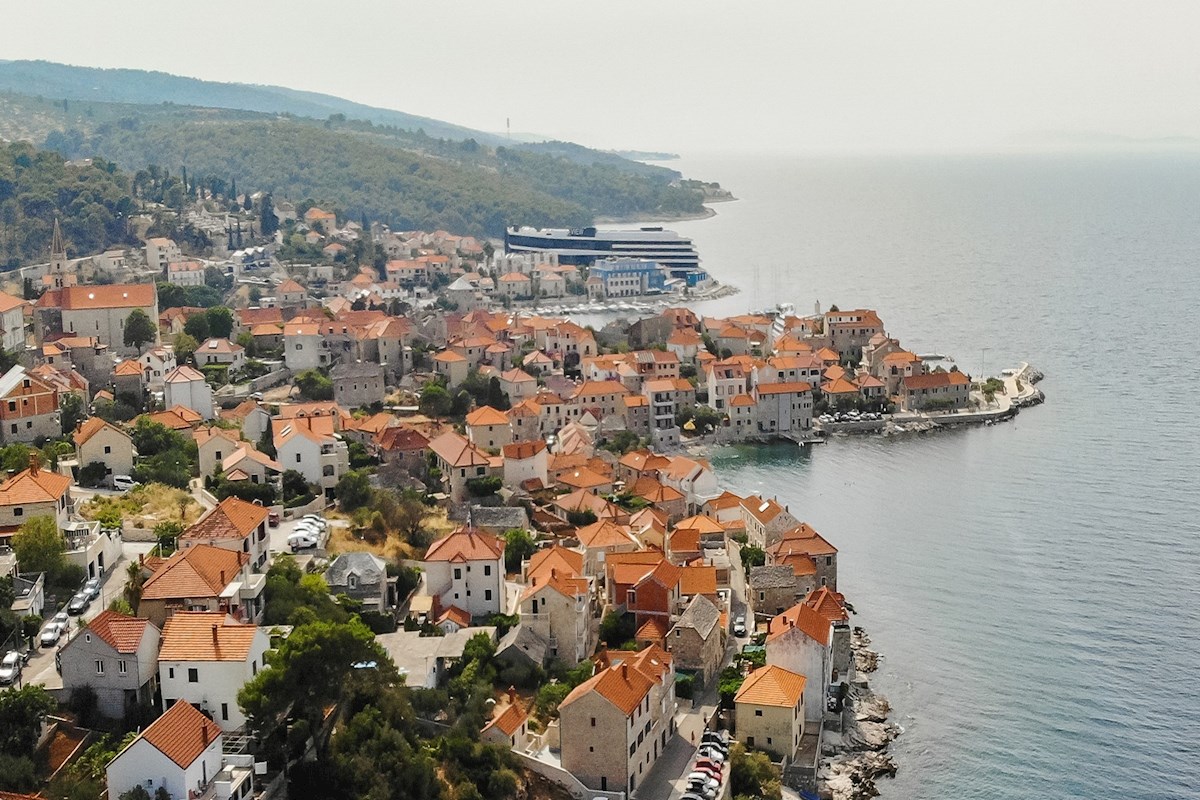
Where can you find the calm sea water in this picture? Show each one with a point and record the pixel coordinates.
(1033, 586)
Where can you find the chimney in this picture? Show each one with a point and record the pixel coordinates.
(624, 671)
(214, 631)
(222, 578)
(33, 462)
(512, 695)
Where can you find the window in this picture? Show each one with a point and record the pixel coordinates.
(122, 668)
(487, 594)
(457, 573)
(768, 740)
(593, 722)
(99, 667)
(758, 712)
(487, 569)
(828, 561)
(297, 458)
(12, 405)
(193, 675)
(18, 512)
(225, 711)
(750, 741)
(171, 673)
(107, 449)
(632, 749)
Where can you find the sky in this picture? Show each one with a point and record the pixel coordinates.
(688, 76)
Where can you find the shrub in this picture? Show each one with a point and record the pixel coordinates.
(93, 474)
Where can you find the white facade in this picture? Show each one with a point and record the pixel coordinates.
(193, 393)
(157, 362)
(13, 321)
(144, 764)
(213, 685)
(320, 461)
(476, 587)
(160, 252)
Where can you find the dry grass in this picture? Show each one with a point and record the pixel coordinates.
(343, 540)
(146, 506)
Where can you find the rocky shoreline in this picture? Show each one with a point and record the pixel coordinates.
(853, 760)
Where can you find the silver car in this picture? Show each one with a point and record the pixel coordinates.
(51, 632)
(10, 668)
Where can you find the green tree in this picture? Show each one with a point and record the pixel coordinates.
(353, 490)
(752, 556)
(21, 713)
(268, 222)
(197, 327)
(519, 545)
(308, 672)
(151, 438)
(314, 386)
(295, 485)
(167, 534)
(185, 345)
(220, 322)
(139, 329)
(71, 412)
(39, 546)
(753, 775)
(435, 400)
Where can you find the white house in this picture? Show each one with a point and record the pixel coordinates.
(98, 311)
(179, 752)
(309, 446)
(99, 441)
(157, 362)
(466, 570)
(12, 323)
(221, 351)
(526, 461)
(302, 346)
(161, 251)
(185, 386)
(206, 658)
(185, 273)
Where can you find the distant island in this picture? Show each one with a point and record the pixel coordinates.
(644, 155)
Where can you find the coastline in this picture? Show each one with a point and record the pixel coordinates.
(707, 213)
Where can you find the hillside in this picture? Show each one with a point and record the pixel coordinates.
(408, 178)
(142, 87)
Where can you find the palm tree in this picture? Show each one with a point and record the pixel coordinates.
(133, 584)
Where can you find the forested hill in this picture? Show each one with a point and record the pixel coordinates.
(141, 87)
(405, 178)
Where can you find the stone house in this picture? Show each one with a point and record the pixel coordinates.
(802, 541)
(769, 711)
(362, 577)
(459, 462)
(526, 461)
(508, 727)
(357, 384)
(466, 570)
(213, 445)
(615, 725)
(488, 428)
(202, 578)
(557, 604)
(100, 441)
(941, 391)
(697, 641)
(766, 521)
(233, 525)
(116, 656)
(800, 641)
(772, 588)
(220, 352)
(96, 311)
(30, 493)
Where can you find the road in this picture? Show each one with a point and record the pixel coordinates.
(666, 778)
(41, 668)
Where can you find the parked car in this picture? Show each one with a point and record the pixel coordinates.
(79, 603)
(713, 754)
(719, 737)
(301, 541)
(92, 587)
(10, 667)
(273, 519)
(704, 778)
(739, 625)
(316, 520)
(51, 632)
(123, 483)
(704, 765)
(256, 396)
(697, 787)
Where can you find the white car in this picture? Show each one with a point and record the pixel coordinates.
(10, 667)
(123, 483)
(51, 632)
(301, 541)
(320, 522)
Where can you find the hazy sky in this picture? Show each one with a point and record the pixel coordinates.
(685, 76)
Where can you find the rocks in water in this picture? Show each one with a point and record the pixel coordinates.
(856, 757)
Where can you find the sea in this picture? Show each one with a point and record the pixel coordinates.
(1034, 586)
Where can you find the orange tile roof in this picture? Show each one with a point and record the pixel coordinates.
(128, 368)
(8, 302)
(457, 451)
(521, 450)
(205, 636)
(508, 721)
(466, 544)
(583, 478)
(116, 295)
(486, 415)
(664, 574)
(685, 540)
(198, 571)
(802, 539)
(33, 486)
(653, 630)
(771, 686)
(456, 615)
(828, 603)
(936, 380)
(566, 584)
(604, 533)
(170, 419)
(701, 523)
(233, 518)
(182, 734)
(90, 427)
(803, 618)
(698, 580)
(794, 387)
(623, 686)
(556, 557)
(122, 632)
(839, 386)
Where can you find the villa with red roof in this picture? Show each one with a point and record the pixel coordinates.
(466, 570)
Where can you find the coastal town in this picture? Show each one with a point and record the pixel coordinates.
(322, 493)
